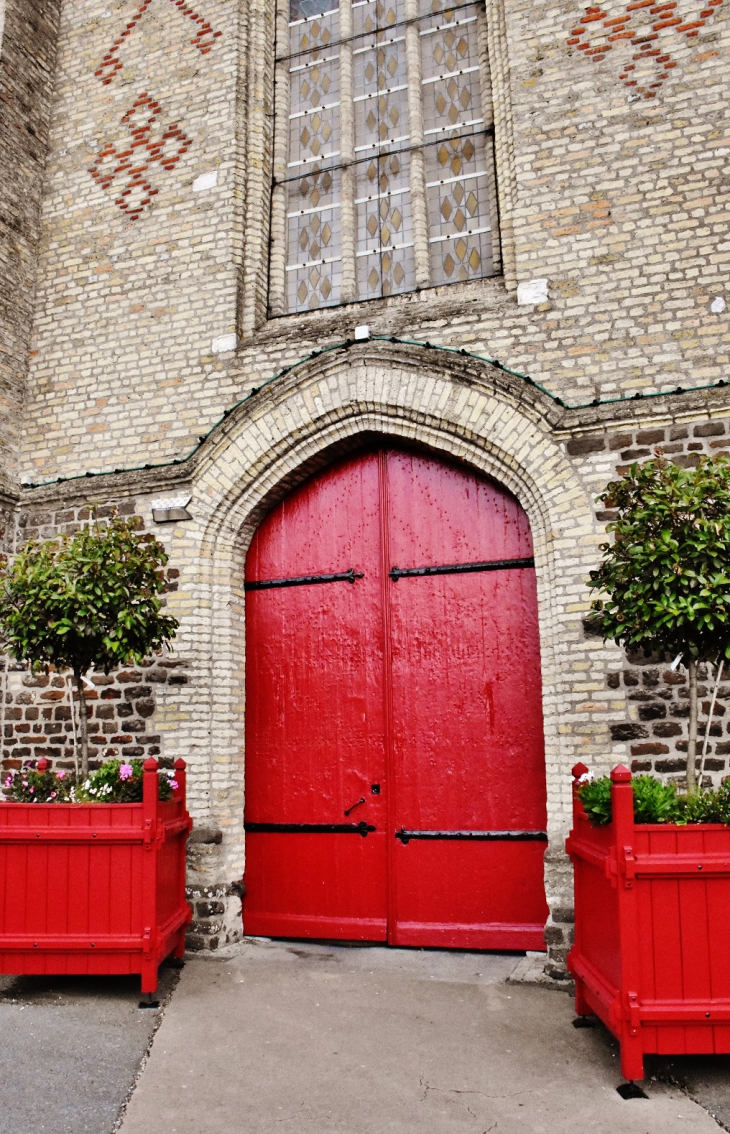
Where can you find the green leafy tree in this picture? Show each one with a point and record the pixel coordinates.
(666, 576)
(91, 600)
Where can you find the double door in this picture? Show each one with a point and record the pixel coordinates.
(395, 777)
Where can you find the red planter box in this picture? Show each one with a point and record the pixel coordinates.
(94, 887)
(652, 930)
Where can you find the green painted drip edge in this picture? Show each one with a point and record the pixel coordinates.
(384, 339)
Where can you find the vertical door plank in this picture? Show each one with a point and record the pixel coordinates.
(314, 722)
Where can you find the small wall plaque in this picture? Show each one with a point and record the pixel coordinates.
(170, 515)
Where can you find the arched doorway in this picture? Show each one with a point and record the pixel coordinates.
(395, 779)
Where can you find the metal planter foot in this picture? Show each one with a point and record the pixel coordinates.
(631, 1090)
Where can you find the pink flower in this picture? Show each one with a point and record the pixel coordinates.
(60, 775)
(126, 771)
(53, 795)
(8, 781)
(173, 784)
(31, 789)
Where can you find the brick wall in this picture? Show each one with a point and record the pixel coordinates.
(27, 64)
(556, 460)
(617, 196)
(613, 189)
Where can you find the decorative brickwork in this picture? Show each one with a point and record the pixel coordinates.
(648, 27)
(149, 143)
(634, 249)
(204, 39)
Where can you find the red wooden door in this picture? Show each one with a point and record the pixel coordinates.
(395, 783)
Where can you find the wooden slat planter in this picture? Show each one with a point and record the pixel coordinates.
(94, 888)
(652, 930)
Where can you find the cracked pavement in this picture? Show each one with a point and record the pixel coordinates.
(330, 1039)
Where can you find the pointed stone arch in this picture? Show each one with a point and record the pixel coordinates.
(491, 422)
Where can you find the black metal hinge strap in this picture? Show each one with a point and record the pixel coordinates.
(361, 828)
(304, 580)
(475, 836)
(397, 573)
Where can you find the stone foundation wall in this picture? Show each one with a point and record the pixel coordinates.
(37, 712)
(37, 718)
(647, 702)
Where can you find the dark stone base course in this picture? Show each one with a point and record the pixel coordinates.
(215, 910)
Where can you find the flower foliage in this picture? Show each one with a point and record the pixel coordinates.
(87, 599)
(116, 781)
(667, 573)
(119, 781)
(655, 802)
(28, 785)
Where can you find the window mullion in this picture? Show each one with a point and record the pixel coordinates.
(488, 115)
(418, 174)
(347, 146)
(277, 261)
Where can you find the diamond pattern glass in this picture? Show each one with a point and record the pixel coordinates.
(450, 69)
(459, 211)
(457, 161)
(313, 269)
(314, 240)
(302, 9)
(455, 173)
(384, 253)
(385, 263)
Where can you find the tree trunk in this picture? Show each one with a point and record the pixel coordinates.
(692, 734)
(84, 725)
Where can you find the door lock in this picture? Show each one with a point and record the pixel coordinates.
(375, 789)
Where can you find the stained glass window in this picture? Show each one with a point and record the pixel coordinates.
(384, 179)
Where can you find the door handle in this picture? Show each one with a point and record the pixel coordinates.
(361, 800)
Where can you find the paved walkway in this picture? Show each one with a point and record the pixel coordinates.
(70, 1049)
(318, 1039)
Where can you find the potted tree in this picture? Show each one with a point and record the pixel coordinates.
(92, 872)
(651, 866)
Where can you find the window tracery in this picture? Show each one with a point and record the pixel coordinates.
(383, 164)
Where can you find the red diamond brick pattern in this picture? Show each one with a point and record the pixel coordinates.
(597, 32)
(204, 38)
(150, 143)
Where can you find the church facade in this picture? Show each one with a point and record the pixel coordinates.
(247, 242)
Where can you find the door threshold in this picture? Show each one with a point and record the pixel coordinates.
(345, 944)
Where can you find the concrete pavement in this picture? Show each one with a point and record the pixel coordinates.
(70, 1050)
(325, 1039)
